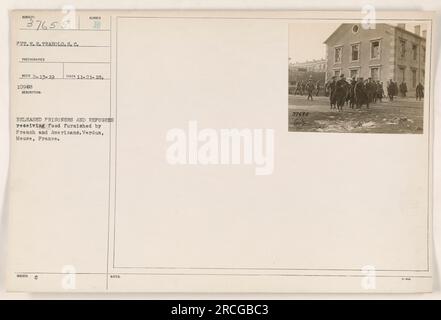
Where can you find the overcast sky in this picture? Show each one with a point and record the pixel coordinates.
(306, 39)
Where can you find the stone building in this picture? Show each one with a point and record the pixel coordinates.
(310, 66)
(386, 52)
(314, 69)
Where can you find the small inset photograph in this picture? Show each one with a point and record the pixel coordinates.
(351, 77)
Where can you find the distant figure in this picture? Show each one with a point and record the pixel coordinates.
(310, 88)
(298, 88)
(403, 89)
(419, 91)
(317, 88)
(374, 91)
(391, 89)
(303, 87)
(380, 91)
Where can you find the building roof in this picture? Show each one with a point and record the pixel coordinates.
(386, 24)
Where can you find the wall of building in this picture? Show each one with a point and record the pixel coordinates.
(346, 37)
(411, 66)
(391, 63)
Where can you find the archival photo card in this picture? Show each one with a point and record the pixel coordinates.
(150, 151)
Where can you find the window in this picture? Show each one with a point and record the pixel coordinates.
(402, 48)
(414, 51)
(338, 54)
(375, 73)
(355, 52)
(423, 53)
(375, 49)
(414, 78)
(337, 73)
(355, 28)
(353, 73)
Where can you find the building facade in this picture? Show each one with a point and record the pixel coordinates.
(310, 66)
(302, 71)
(386, 52)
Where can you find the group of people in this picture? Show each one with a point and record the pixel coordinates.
(393, 89)
(355, 92)
(359, 92)
(308, 87)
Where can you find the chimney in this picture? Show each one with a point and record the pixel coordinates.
(424, 34)
(417, 30)
(401, 25)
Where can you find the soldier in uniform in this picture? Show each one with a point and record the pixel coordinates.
(310, 88)
(403, 89)
(375, 91)
(330, 89)
(380, 91)
(303, 87)
(371, 90)
(391, 90)
(341, 88)
(298, 88)
(360, 93)
(351, 94)
(317, 88)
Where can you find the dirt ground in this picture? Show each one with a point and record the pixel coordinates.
(403, 115)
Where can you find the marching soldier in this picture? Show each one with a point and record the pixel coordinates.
(310, 88)
(303, 87)
(298, 88)
(317, 88)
